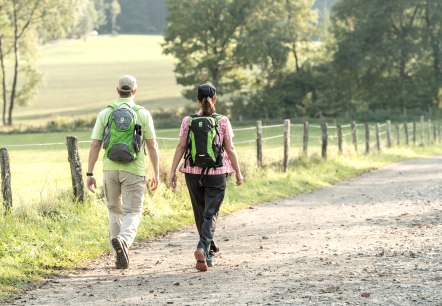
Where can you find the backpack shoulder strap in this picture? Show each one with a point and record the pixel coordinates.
(188, 142)
(217, 117)
(137, 107)
(191, 117)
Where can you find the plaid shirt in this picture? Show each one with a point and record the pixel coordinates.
(225, 132)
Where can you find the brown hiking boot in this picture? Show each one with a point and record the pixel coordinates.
(201, 264)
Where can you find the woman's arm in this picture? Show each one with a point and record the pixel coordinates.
(231, 153)
(179, 152)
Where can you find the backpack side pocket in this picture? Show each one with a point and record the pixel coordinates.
(137, 140)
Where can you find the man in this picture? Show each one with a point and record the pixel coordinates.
(124, 183)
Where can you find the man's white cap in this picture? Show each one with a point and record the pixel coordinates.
(127, 83)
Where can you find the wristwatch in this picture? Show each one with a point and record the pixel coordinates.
(89, 174)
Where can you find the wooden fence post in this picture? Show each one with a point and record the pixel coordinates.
(76, 171)
(367, 138)
(259, 143)
(397, 134)
(435, 132)
(406, 133)
(354, 135)
(422, 132)
(324, 140)
(378, 141)
(6, 179)
(286, 144)
(414, 133)
(388, 132)
(305, 140)
(339, 131)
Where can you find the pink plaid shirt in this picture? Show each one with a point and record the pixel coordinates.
(225, 132)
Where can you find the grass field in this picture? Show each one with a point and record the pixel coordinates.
(40, 168)
(80, 76)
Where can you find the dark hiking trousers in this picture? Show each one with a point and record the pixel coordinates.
(206, 202)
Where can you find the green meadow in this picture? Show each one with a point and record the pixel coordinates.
(80, 76)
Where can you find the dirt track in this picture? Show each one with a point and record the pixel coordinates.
(371, 240)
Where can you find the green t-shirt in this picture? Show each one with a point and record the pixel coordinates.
(138, 166)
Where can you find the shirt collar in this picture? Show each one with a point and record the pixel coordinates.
(129, 101)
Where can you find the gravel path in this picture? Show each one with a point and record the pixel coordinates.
(371, 240)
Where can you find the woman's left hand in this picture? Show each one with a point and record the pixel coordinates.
(239, 179)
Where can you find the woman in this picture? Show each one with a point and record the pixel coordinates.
(206, 198)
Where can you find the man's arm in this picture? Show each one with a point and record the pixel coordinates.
(94, 150)
(152, 150)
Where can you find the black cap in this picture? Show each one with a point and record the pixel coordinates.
(206, 89)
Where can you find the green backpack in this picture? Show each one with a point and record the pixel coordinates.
(122, 139)
(204, 146)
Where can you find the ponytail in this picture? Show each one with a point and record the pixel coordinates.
(207, 106)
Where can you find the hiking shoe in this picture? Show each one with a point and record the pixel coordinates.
(122, 255)
(213, 247)
(210, 260)
(201, 264)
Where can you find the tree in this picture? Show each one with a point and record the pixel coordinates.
(433, 37)
(90, 15)
(22, 23)
(111, 10)
(381, 52)
(115, 10)
(242, 46)
(205, 36)
(142, 16)
(282, 46)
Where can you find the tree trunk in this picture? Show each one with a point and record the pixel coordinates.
(3, 72)
(15, 72)
(435, 45)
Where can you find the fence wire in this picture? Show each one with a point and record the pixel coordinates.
(49, 161)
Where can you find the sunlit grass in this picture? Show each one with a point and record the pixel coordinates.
(80, 76)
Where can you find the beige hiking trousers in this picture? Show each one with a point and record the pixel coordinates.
(124, 193)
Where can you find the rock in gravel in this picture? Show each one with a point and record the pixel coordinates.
(331, 289)
(365, 294)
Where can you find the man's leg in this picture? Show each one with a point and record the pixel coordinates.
(112, 193)
(133, 188)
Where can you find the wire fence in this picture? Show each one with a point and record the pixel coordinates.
(43, 165)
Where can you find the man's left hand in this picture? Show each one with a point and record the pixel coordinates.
(153, 183)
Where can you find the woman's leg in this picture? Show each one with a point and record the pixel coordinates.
(197, 198)
(214, 190)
